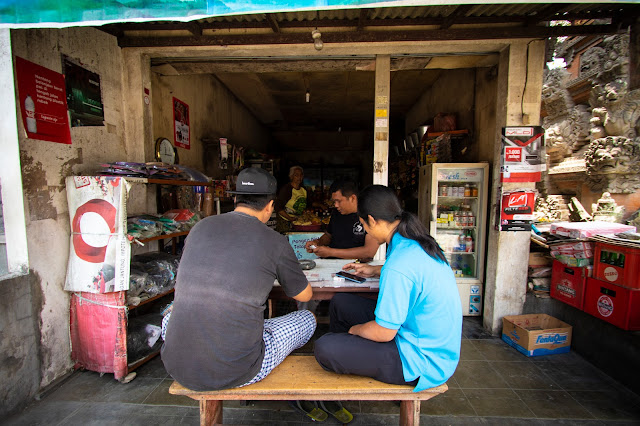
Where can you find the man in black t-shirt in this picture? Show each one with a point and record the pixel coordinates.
(215, 336)
(345, 237)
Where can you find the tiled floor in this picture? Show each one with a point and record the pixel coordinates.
(493, 385)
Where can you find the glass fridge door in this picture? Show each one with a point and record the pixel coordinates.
(458, 208)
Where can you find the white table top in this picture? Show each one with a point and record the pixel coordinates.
(323, 275)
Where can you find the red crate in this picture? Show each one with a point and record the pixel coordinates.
(615, 304)
(568, 284)
(625, 273)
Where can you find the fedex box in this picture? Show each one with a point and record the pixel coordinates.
(536, 334)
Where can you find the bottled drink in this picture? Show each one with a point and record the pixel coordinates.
(620, 261)
(467, 190)
(613, 259)
(474, 191)
(30, 110)
(462, 241)
(468, 243)
(604, 256)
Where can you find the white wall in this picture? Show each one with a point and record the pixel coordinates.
(45, 166)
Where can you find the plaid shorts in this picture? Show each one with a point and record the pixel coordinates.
(281, 335)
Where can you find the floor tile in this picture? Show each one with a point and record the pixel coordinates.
(453, 402)
(524, 375)
(153, 369)
(468, 351)
(44, 413)
(497, 350)
(134, 392)
(497, 402)
(472, 329)
(578, 375)
(607, 405)
(161, 396)
(553, 404)
(478, 374)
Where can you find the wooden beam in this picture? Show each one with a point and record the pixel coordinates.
(277, 66)
(373, 36)
(195, 28)
(453, 16)
(546, 14)
(273, 23)
(362, 19)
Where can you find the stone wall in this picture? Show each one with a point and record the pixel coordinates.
(593, 124)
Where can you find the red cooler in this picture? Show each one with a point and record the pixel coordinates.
(617, 305)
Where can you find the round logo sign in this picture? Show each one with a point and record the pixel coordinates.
(611, 273)
(605, 306)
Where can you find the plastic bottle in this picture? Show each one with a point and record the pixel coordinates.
(474, 191)
(462, 240)
(30, 110)
(467, 190)
(468, 243)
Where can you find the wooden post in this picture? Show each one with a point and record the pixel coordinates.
(210, 412)
(410, 413)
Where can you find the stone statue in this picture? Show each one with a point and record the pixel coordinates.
(606, 209)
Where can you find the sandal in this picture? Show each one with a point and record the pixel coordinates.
(310, 408)
(336, 409)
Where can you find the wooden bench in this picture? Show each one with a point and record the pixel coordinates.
(300, 377)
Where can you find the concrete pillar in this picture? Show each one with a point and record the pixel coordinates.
(519, 95)
(10, 173)
(381, 120)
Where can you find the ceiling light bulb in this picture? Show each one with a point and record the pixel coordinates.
(315, 34)
(317, 44)
(307, 96)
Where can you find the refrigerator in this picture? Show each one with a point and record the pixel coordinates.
(452, 203)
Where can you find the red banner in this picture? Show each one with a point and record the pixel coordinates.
(43, 102)
(181, 124)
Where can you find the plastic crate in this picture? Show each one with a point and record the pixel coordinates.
(615, 304)
(568, 284)
(617, 264)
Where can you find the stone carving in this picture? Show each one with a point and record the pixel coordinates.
(612, 164)
(606, 209)
(567, 125)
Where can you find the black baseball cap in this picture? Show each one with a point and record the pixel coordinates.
(255, 181)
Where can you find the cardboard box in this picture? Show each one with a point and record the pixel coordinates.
(612, 303)
(568, 284)
(536, 334)
(539, 259)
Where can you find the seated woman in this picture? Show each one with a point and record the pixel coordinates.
(412, 334)
(291, 200)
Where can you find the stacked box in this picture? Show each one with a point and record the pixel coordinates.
(615, 304)
(568, 283)
(617, 264)
(536, 334)
(573, 253)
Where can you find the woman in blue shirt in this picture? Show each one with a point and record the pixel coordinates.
(412, 334)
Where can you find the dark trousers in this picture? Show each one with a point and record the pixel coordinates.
(344, 353)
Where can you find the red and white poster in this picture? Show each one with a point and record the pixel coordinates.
(99, 255)
(181, 124)
(522, 154)
(516, 210)
(43, 102)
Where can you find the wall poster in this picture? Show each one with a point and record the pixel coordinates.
(523, 156)
(43, 103)
(84, 95)
(516, 210)
(181, 124)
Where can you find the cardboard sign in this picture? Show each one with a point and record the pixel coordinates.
(522, 157)
(181, 134)
(516, 210)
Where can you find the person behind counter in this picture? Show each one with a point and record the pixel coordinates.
(345, 237)
(215, 336)
(291, 201)
(412, 334)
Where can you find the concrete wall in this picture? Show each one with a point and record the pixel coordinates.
(453, 92)
(213, 113)
(35, 310)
